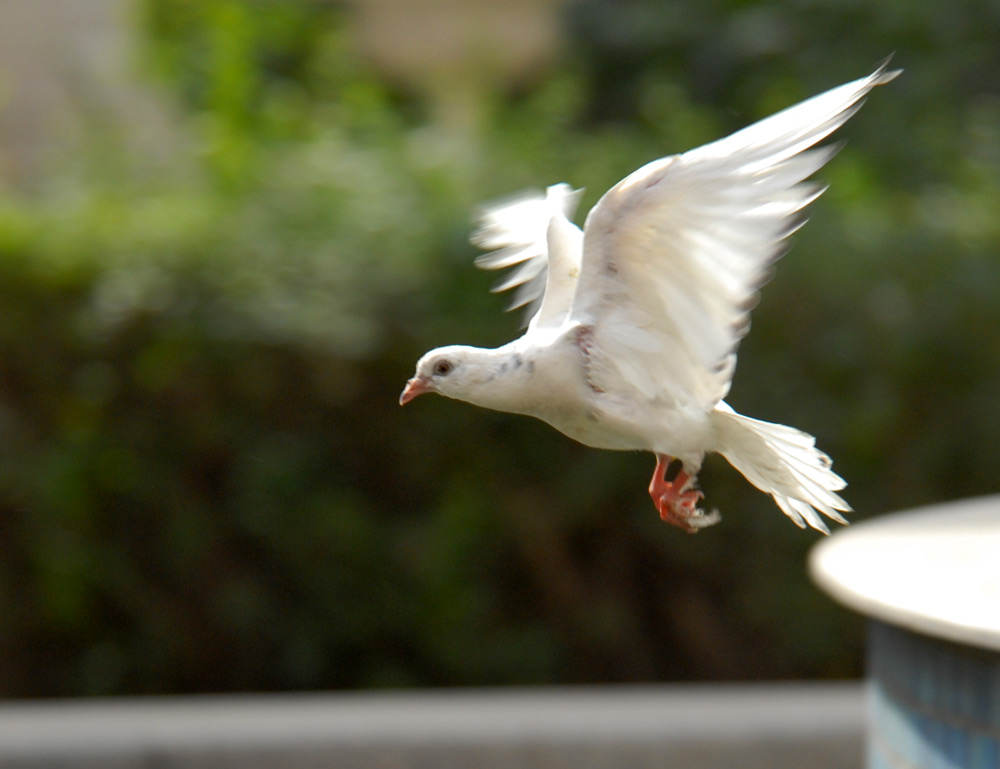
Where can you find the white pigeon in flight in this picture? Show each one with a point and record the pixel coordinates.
(633, 341)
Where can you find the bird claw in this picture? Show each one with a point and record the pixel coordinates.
(681, 510)
(682, 501)
(677, 500)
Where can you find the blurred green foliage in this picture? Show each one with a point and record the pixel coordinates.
(206, 484)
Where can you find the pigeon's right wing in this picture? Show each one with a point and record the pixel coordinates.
(674, 254)
(534, 233)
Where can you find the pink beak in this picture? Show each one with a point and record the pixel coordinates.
(416, 386)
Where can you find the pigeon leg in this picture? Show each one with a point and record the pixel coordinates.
(676, 500)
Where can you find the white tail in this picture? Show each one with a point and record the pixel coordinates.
(783, 462)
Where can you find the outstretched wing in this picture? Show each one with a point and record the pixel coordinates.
(675, 253)
(534, 233)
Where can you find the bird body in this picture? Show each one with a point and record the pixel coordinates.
(637, 317)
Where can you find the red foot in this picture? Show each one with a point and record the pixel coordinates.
(675, 500)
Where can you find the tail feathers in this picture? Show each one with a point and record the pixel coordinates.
(785, 463)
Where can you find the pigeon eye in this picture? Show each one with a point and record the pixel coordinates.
(443, 368)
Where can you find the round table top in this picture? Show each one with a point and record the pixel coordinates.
(934, 570)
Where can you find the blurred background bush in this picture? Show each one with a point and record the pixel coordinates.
(208, 307)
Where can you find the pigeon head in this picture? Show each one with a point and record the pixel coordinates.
(454, 371)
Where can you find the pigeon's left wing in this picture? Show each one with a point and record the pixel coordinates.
(534, 233)
(675, 253)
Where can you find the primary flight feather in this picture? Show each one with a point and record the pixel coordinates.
(636, 318)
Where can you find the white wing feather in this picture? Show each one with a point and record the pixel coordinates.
(675, 253)
(534, 233)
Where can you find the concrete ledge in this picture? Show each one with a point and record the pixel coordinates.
(805, 726)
